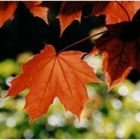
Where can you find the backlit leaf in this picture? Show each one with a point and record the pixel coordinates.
(49, 75)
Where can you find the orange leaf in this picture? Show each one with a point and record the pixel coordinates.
(49, 75)
(7, 10)
(69, 12)
(37, 10)
(115, 11)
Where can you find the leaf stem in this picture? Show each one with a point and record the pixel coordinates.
(80, 41)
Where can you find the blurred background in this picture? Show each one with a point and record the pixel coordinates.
(106, 115)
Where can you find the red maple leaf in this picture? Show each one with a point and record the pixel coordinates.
(7, 10)
(37, 10)
(120, 47)
(49, 75)
(116, 11)
(69, 11)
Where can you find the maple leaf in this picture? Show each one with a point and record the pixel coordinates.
(69, 11)
(7, 10)
(49, 75)
(116, 11)
(37, 10)
(120, 47)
